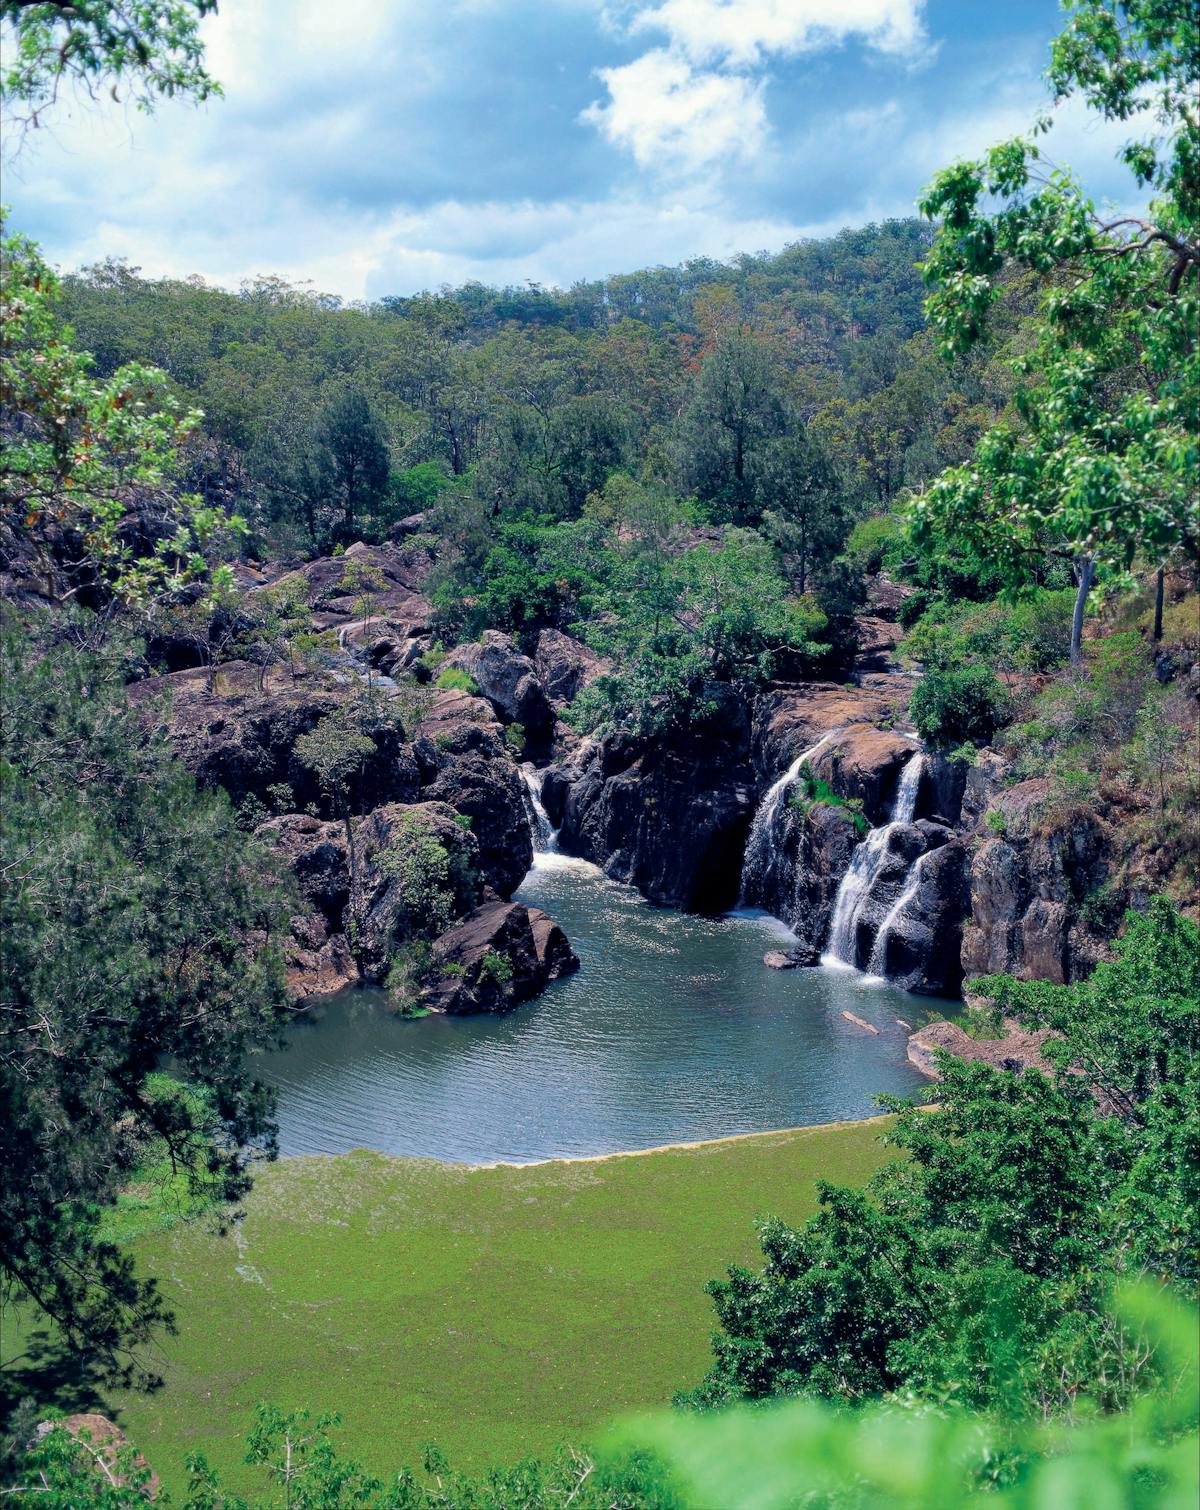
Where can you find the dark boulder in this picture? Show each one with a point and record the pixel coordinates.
(920, 946)
(509, 681)
(502, 954)
(385, 916)
(796, 876)
(466, 766)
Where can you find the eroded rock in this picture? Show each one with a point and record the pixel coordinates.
(503, 953)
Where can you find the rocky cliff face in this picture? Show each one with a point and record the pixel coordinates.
(668, 816)
(1030, 872)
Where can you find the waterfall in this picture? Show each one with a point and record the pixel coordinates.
(545, 835)
(878, 960)
(865, 866)
(760, 842)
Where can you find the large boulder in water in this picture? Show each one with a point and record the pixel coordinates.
(503, 953)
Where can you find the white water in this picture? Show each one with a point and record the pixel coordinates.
(545, 835)
(865, 866)
(759, 842)
(875, 965)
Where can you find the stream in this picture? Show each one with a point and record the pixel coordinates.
(672, 1031)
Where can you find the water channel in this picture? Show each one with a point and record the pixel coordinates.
(672, 1031)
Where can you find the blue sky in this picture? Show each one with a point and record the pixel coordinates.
(385, 146)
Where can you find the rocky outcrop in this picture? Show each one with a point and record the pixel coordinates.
(509, 681)
(864, 765)
(386, 914)
(800, 873)
(464, 764)
(566, 666)
(666, 815)
(502, 954)
(1018, 1050)
(350, 928)
(1031, 870)
(790, 719)
(245, 742)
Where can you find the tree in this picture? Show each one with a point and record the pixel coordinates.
(980, 1269)
(736, 405)
(1101, 462)
(140, 925)
(353, 459)
(151, 47)
(86, 501)
(803, 513)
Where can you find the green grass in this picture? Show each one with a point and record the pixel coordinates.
(496, 1311)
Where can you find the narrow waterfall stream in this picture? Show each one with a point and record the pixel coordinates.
(543, 832)
(842, 948)
(877, 964)
(757, 856)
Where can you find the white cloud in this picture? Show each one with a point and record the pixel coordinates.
(699, 101)
(742, 32)
(672, 117)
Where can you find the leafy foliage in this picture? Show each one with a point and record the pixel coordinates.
(980, 1270)
(906, 1454)
(955, 706)
(139, 924)
(84, 481)
(152, 47)
(1101, 462)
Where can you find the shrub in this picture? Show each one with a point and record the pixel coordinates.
(454, 679)
(496, 967)
(873, 543)
(814, 792)
(951, 707)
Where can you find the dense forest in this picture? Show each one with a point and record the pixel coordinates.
(302, 599)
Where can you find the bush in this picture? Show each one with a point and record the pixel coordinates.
(454, 679)
(953, 707)
(875, 543)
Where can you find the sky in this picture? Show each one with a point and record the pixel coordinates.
(374, 147)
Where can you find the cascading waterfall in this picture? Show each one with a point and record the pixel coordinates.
(876, 965)
(865, 867)
(761, 840)
(545, 835)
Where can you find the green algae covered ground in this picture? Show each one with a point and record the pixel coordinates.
(496, 1311)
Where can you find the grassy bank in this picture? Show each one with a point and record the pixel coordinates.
(495, 1310)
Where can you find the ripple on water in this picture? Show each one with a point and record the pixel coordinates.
(672, 1031)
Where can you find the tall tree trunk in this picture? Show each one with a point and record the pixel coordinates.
(1159, 591)
(1085, 575)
